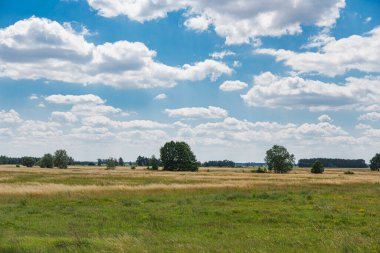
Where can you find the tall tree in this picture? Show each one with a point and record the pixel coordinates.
(121, 161)
(61, 159)
(279, 159)
(177, 156)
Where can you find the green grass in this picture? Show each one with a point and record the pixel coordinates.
(268, 219)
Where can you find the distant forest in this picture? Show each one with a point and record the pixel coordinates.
(334, 163)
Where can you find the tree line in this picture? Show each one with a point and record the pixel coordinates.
(333, 163)
(178, 156)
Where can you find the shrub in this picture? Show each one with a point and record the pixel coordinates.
(111, 164)
(18, 165)
(28, 161)
(349, 172)
(47, 161)
(375, 163)
(154, 163)
(260, 170)
(279, 159)
(133, 167)
(317, 168)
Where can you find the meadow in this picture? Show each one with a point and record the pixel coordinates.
(90, 209)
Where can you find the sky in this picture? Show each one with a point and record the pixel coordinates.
(119, 78)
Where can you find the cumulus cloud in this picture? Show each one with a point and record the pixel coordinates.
(371, 116)
(336, 57)
(65, 117)
(294, 92)
(39, 48)
(238, 22)
(9, 117)
(198, 112)
(161, 96)
(74, 99)
(325, 118)
(233, 85)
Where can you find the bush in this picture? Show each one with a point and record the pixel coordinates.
(279, 159)
(47, 161)
(28, 161)
(133, 167)
(317, 168)
(154, 163)
(375, 163)
(18, 165)
(349, 172)
(177, 156)
(260, 170)
(111, 164)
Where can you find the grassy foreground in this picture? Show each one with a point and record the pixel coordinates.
(91, 210)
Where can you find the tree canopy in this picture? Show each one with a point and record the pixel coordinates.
(317, 168)
(279, 159)
(177, 156)
(61, 159)
(374, 164)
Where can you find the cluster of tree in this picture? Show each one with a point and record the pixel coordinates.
(119, 162)
(145, 161)
(14, 160)
(334, 163)
(224, 163)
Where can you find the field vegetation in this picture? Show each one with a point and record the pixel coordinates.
(90, 209)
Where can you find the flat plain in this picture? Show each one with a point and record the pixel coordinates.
(90, 209)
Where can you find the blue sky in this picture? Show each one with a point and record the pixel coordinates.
(105, 78)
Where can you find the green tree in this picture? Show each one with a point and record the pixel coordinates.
(317, 168)
(47, 161)
(279, 159)
(111, 164)
(121, 162)
(177, 156)
(99, 162)
(61, 159)
(374, 164)
(28, 161)
(154, 163)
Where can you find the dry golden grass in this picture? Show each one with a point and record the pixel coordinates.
(145, 180)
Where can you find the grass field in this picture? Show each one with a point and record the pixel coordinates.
(215, 210)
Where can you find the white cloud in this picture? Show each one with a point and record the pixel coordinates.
(41, 105)
(368, 19)
(198, 112)
(233, 85)
(74, 99)
(33, 97)
(10, 117)
(222, 54)
(325, 118)
(66, 117)
(161, 96)
(39, 48)
(199, 23)
(294, 92)
(371, 116)
(238, 22)
(336, 57)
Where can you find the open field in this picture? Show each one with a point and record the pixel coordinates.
(89, 209)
